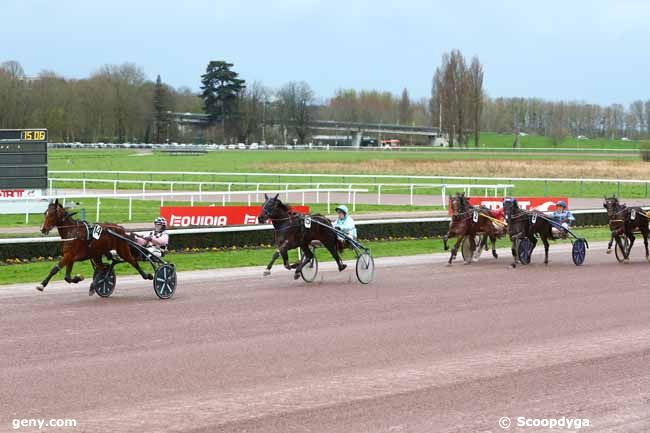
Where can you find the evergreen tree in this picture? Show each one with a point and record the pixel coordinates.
(220, 92)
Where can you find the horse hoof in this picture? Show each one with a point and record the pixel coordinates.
(149, 277)
(514, 265)
(296, 276)
(91, 291)
(495, 255)
(342, 266)
(40, 288)
(266, 273)
(626, 260)
(79, 277)
(609, 251)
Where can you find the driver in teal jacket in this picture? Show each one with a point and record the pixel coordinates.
(344, 222)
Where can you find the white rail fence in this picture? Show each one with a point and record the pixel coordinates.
(172, 184)
(223, 196)
(375, 179)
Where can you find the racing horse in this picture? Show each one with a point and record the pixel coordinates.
(294, 230)
(623, 221)
(82, 241)
(525, 225)
(468, 220)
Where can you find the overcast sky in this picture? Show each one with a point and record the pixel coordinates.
(596, 51)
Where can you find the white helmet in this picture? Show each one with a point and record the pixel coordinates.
(161, 220)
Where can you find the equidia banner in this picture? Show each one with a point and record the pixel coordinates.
(544, 204)
(190, 216)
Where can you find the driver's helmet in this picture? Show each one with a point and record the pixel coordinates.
(342, 208)
(561, 203)
(161, 221)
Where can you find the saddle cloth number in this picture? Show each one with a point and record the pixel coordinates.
(534, 218)
(633, 214)
(97, 232)
(475, 216)
(307, 222)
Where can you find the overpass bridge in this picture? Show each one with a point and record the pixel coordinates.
(356, 129)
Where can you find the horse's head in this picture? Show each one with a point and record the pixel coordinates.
(270, 208)
(54, 215)
(458, 203)
(510, 205)
(612, 205)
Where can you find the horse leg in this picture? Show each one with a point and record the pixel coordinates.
(63, 262)
(275, 256)
(306, 257)
(454, 250)
(645, 242)
(609, 245)
(513, 250)
(632, 239)
(493, 240)
(99, 266)
(124, 250)
(68, 270)
(331, 247)
(545, 241)
(445, 239)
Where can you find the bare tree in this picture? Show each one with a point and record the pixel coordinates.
(475, 77)
(295, 103)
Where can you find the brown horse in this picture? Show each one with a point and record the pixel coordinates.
(523, 224)
(294, 230)
(79, 244)
(623, 221)
(468, 220)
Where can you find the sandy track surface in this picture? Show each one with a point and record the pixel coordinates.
(425, 348)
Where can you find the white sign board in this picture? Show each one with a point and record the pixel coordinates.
(28, 204)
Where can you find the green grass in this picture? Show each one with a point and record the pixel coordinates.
(35, 272)
(493, 140)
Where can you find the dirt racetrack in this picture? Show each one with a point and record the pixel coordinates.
(425, 348)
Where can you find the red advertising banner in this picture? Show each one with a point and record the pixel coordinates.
(189, 216)
(544, 204)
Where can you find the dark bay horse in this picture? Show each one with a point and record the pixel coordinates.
(468, 220)
(79, 244)
(523, 224)
(624, 221)
(294, 230)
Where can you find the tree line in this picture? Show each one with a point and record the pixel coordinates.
(118, 103)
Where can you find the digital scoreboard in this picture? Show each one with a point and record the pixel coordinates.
(23, 159)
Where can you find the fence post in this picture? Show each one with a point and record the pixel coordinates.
(248, 195)
(162, 201)
(379, 194)
(200, 191)
(130, 208)
(144, 183)
(411, 194)
(83, 182)
(114, 187)
(51, 186)
(257, 192)
(444, 196)
(191, 201)
(229, 193)
(97, 210)
(318, 193)
(328, 202)
(354, 201)
(223, 199)
(26, 216)
(171, 186)
(303, 198)
(286, 191)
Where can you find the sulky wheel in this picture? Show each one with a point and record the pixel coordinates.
(524, 250)
(310, 270)
(620, 255)
(164, 281)
(466, 250)
(365, 268)
(104, 282)
(579, 251)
